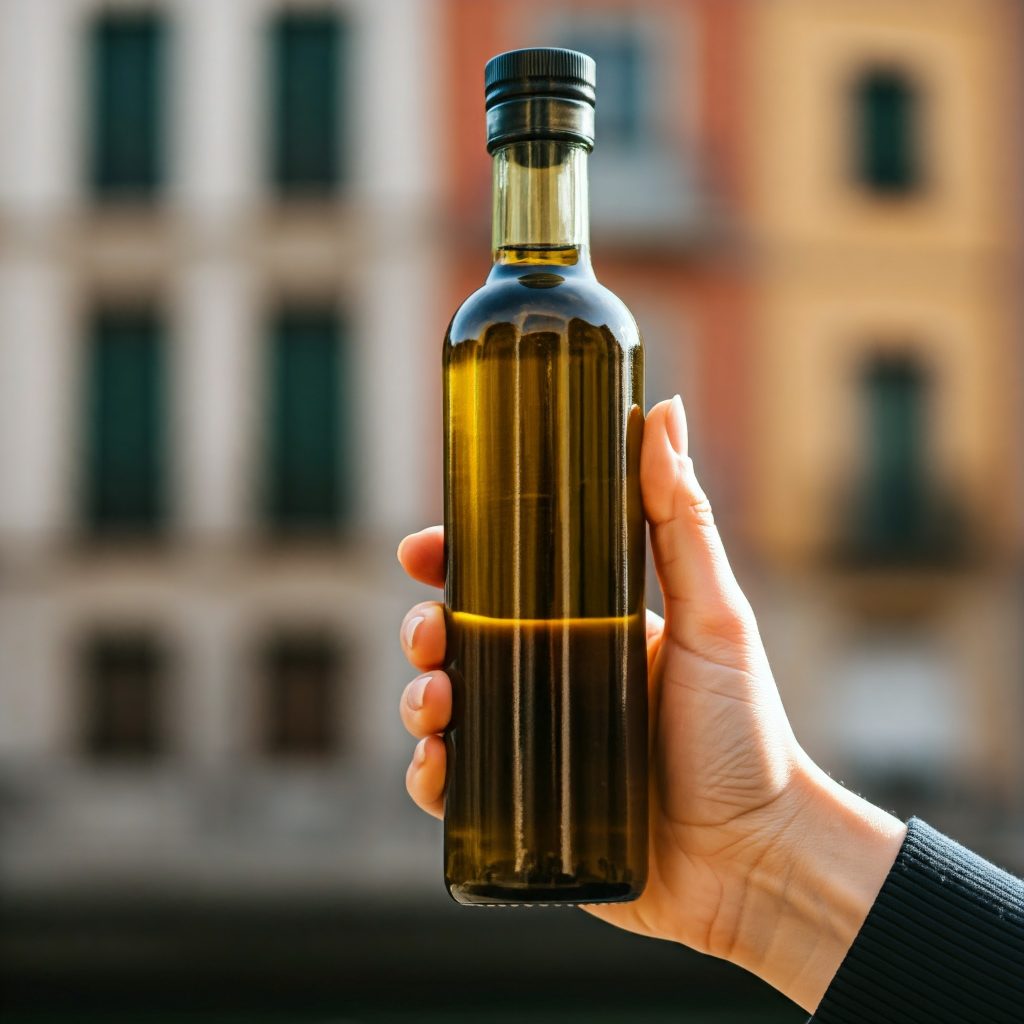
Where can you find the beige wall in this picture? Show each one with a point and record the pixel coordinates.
(889, 670)
(840, 274)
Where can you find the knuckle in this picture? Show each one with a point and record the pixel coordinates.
(698, 507)
(701, 513)
(691, 503)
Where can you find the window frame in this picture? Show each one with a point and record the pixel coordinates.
(333, 525)
(912, 374)
(337, 178)
(140, 191)
(915, 181)
(92, 746)
(151, 526)
(274, 747)
(650, 192)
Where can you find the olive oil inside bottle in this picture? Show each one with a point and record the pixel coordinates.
(546, 797)
(546, 787)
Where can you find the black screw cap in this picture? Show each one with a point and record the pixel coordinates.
(540, 71)
(540, 93)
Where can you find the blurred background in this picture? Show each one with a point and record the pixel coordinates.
(231, 235)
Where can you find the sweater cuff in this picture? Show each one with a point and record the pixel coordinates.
(943, 941)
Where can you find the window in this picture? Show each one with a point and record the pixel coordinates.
(646, 186)
(123, 714)
(886, 124)
(623, 114)
(127, 115)
(306, 134)
(899, 511)
(299, 701)
(124, 429)
(305, 467)
(894, 393)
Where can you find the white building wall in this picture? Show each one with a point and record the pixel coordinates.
(216, 398)
(216, 252)
(40, 96)
(36, 398)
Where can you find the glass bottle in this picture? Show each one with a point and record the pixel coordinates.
(546, 793)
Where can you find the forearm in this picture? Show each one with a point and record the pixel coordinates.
(811, 889)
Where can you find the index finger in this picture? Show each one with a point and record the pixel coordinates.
(422, 555)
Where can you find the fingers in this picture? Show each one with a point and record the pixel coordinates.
(423, 635)
(426, 704)
(422, 555)
(705, 609)
(424, 778)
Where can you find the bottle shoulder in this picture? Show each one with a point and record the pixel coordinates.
(538, 295)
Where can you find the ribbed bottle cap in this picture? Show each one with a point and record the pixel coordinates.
(540, 93)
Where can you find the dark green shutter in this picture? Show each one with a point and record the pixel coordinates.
(307, 103)
(127, 124)
(887, 126)
(306, 487)
(896, 477)
(124, 486)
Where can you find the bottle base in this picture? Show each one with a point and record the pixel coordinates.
(490, 894)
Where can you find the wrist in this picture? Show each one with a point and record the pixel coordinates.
(810, 891)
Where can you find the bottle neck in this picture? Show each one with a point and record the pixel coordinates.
(540, 204)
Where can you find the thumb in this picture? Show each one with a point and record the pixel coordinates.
(705, 610)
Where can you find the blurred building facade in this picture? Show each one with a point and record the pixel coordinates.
(228, 233)
(885, 223)
(218, 285)
(230, 236)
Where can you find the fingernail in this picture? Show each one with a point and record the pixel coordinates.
(419, 756)
(675, 425)
(417, 691)
(410, 630)
(401, 544)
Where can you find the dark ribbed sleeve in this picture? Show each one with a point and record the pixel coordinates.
(944, 941)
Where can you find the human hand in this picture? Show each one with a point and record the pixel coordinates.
(756, 855)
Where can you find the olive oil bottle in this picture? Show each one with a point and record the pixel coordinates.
(546, 792)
